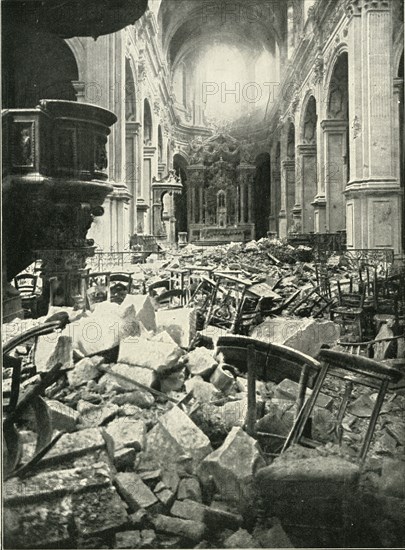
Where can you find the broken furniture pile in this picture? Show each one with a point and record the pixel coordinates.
(167, 436)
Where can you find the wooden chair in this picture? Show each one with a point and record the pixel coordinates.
(120, 286)
(268, 362)
(97, 287)
(26, 284)
(349, 310)
(352, 369)
(389, 300)
(170, 297)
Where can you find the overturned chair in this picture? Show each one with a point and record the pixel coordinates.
(274, 362)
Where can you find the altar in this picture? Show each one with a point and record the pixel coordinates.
(220, 191)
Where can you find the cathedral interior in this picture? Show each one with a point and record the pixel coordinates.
(203, 273)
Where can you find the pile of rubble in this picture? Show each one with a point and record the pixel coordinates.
(154, 454)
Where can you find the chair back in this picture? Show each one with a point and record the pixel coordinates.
(275, 362)
(125, 278)
(26, 283)
(350, 298)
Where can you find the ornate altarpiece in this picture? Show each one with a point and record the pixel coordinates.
(220, 190)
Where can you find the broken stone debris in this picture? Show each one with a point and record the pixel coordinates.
(165, 453)
(232, 467)
(174, 436)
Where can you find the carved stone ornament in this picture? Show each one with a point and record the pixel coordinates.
(356, 127)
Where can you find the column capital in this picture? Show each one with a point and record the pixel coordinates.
(329, 125)
(307, 149)
(357, 7)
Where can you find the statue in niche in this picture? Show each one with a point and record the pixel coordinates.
(25, 147)
(221, 208)
(336, 102)
(196, 151)
(100, 157)
(291, 146)
(310, 126)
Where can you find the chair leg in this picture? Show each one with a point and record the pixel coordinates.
(252, 412)
(300, 422)
(373, 420)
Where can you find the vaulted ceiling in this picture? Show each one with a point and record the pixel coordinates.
(188, 25)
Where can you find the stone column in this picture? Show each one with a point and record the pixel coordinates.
(373, 195)
(330, 201)
(287, 197)
(307, 187)
(275, 200)
(131, 176)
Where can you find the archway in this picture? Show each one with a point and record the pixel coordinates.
(308, 165)
(336, 140)
(262, 195)
(147, 124)
(181, 200)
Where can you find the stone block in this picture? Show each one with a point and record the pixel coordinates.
(139, 398)
(98, 415)
(201, 362)
(128, 539)
(233, 413)
(50, 484)
(172, 382)
(305, 335)
(138, 519)
(144, 309)
(174, 436)
(165, 495)
(392, 480)
(63, 417)
(180, 323)
(45, 523)
(52, 349)
(85, 370)
(241, 539)
(201, 390)
(103, 328)
(189, 489)
(73, 445)
(287, 389)
(187, 529)
(143, 375)
(134, 491)
(98, 511)
(125, 432)
(155, 356)
(232, 467)
(124, 458)
(274, 537)
(215, 519)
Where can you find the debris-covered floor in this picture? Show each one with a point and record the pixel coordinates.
(151, 447)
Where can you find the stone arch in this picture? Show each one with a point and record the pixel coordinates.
(308, 120)
(78, 50)
(130, 92)
(333, 58)
(336, 145)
